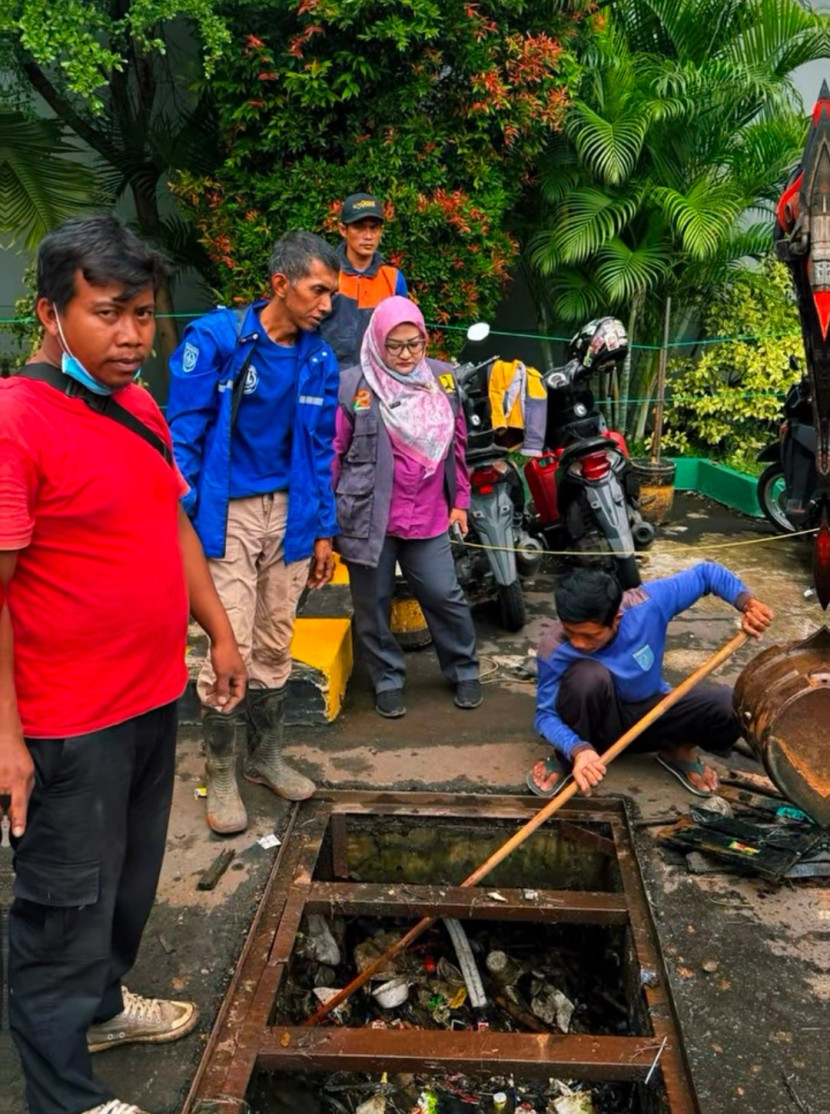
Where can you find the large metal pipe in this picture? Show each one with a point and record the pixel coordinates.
(783, 700)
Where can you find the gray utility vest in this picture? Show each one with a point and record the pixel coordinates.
(364, 490)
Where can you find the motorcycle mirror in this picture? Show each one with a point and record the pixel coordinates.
(479, 331)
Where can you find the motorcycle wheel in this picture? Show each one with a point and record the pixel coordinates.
(512, 610)
(772, 493)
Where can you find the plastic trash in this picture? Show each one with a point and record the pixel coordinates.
(375, 1105)
(427, 1103)
(391, 994)
(504, 970)
(472, 978)
(319, 943)
(552, 1006)
(577, 1102)
(339, 1014)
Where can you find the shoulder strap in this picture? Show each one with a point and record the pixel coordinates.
(101, 404)
(240, 313)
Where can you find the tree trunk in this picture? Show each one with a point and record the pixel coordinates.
(149, 224)
(625, 378)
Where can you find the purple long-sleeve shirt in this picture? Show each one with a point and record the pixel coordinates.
(418, 507)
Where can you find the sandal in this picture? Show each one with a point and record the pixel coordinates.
(680, 768)
(552, 766)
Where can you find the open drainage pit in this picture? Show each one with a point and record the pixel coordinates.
(540, 990)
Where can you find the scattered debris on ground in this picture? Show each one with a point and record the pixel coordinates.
(750, 831)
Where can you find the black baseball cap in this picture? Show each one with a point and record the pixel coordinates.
(357, 206)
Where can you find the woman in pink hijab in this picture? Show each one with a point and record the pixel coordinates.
(401, 482)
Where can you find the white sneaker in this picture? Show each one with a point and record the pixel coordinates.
(115, 1106)
(143, 1020)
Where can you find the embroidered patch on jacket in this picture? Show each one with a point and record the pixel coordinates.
(644, 657)
(251, 381)
(363, 399)
(447, 381)
(190, 356)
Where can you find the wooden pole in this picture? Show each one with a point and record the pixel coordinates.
(555, 803)
(661, 388)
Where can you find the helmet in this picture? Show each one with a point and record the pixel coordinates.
(600, 343)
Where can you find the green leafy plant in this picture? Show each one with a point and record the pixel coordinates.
(671, 157)
(725, 403)
(439, 109)
(126, 79)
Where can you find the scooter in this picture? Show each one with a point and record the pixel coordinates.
(788, 485)
(585, 492)
(497, 518)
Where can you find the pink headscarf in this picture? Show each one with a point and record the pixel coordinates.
(415, 410)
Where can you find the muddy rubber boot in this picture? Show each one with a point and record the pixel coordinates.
(264, 763)
(225, 811)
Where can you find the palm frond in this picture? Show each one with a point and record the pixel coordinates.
(702, 216)
(624, 272)
(41, 180)
(609, 147)
(588, 219)
(779, 35)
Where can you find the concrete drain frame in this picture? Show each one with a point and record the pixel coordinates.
(245, 1038)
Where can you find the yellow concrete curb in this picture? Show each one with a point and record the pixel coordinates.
(322, 655)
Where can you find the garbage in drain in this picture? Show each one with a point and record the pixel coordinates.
(357, 1093)
(560, 978)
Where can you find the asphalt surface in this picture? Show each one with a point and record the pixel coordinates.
(749, 965)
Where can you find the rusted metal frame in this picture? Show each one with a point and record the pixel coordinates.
(338, 831)
(403, 900)
(229, 1057)
(540, 1055)
(660, 1010)
(588, 838)
(478, 806)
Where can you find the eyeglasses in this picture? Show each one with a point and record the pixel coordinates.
(415, 346)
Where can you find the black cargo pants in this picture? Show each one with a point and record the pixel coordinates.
(589, 704)
(86, 871)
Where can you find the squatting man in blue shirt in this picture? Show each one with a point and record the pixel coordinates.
(600, 670)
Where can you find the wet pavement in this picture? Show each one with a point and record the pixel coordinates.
(749, 965)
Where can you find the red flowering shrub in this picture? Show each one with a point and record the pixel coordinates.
(440, 107)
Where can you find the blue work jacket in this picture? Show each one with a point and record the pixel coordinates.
(203, 370)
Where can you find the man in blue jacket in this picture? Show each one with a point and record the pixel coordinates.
(600, 670)
(252, 402)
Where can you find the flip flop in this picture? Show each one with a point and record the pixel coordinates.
(552, 766)
(680, 768)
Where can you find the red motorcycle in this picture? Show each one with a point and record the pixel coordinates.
(585, 492)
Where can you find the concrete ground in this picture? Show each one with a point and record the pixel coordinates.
(749, 966)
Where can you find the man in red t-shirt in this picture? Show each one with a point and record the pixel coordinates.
(98, 567)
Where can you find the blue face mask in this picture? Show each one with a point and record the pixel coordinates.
(72, 366)
(75, 370)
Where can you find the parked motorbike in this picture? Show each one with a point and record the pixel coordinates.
(585, 492)
(497, 517)
(787, 486)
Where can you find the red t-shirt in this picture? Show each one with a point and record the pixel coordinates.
(98, 598)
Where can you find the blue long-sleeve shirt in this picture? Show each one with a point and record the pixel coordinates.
(634, 656)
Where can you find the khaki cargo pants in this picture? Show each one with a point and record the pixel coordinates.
(258, 589)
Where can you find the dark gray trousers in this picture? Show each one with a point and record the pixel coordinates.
(589, 704)
(87, 867)
(428, 566)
